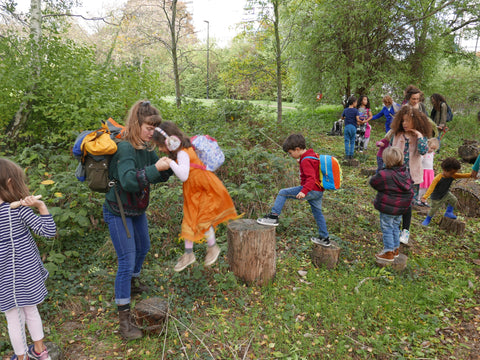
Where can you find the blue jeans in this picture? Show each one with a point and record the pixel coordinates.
(314, 198)
(390, 226)
(130, 252)
(349, 135)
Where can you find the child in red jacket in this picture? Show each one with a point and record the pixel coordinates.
(309, 188)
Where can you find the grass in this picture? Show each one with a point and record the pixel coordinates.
(355, 311)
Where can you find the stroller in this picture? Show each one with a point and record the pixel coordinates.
(337, 128)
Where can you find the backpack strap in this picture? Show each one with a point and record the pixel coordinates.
(120, 207)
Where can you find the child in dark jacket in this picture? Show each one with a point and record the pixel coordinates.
(395, 194)
(309, 188)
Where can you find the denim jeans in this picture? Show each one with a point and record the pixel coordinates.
(349, 135)
(131, 252)
(314, 198)
(390, 226)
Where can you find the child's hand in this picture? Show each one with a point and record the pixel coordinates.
(424, 199)
(35, 202)
(300, 195)
(162, 165)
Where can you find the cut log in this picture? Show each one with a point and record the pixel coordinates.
(368, 172)
(326, 255)
(251, 251)
(421, 209)
(452, 225)
(467, 192)
(54, 351)
(150, 314)
(398, 264)
(469, 151)
(351, 162)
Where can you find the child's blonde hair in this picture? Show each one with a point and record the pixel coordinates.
(392, 156)
(433, 144)
(13, 185)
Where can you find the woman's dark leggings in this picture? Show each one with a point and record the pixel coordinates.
(406, 219)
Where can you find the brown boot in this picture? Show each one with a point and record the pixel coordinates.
(138, 287)
(127, 329)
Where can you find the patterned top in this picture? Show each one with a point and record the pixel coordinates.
(22, 274)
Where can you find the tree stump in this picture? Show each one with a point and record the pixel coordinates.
(327, 256)
(468, 195)
(351, 162)
(54, 350)
(469, 151)
(251, 251)
(421, 209)
(452, 225)
(368, 172)
(150, 314)
(398, 264)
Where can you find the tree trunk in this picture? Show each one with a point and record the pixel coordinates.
(151, 314)
(399, 263)
(452, 226)
(327, 256)
(468, 195)
(21, 116)
(469, 151)
(278, 59)
(251, 251)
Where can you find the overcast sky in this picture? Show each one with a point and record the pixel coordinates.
(222, 15)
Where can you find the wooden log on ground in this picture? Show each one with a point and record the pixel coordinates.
(452, 225)
(54, 350)
(421, 209)
(467, 192)
(398, 264)
(251, 251)
(326, 255)
(469, 151)
(368, 172)
(150, 314)
(351, 162)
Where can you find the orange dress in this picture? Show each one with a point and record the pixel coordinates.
(206, 201)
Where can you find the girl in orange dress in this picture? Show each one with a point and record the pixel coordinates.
(206, 202)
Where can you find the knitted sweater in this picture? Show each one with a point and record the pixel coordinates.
(134, 170)
(394, 190)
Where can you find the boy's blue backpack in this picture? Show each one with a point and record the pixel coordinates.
(208, 151)
(330, 171)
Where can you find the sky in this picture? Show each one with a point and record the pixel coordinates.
(222, 15)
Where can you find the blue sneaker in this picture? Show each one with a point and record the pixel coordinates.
(31, 354)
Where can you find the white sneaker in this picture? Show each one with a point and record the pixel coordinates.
(404, 236)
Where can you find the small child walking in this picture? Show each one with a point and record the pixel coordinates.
(309, 188)
(363, 129)
(351, 118)
(439, 190)
(394, 196)
(428, 172)
(22, 274)
(206, 202)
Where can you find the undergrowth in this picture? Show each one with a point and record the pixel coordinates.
(355, 311)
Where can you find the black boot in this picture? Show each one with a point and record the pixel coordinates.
(128, 330)
(137, 287)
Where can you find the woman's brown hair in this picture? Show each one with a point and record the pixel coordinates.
(142, 112)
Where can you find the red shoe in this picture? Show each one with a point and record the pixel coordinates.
(396, 252)
(386, 256)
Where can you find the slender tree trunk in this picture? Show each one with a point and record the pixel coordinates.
(21, 116)
(278, 59)
(176, 73)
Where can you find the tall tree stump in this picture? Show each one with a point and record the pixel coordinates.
(251, 251)
(469, 151)
(398, 264)
(452, 225)
(150, 314)
(468, 195)
(326, 255)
